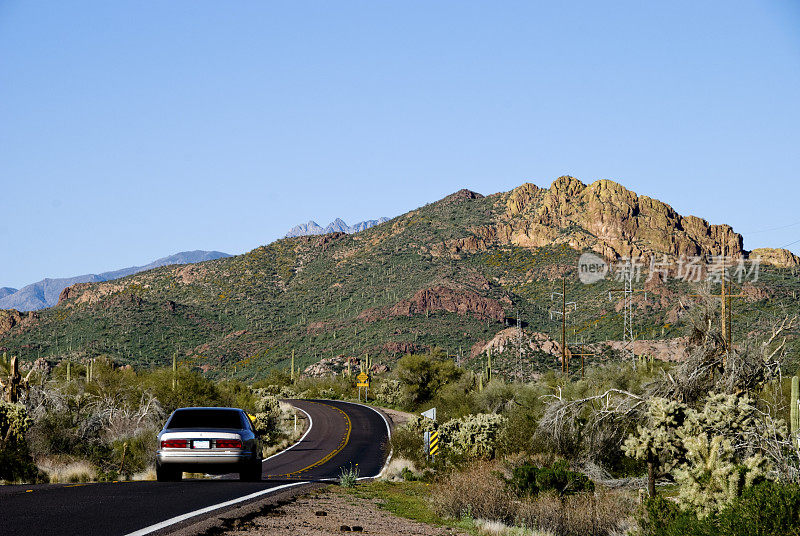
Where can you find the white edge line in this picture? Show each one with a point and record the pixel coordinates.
(183, 517)
(310, 424)
(388, 432)
(178, 519)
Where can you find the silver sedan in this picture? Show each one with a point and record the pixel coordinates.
(208, 440)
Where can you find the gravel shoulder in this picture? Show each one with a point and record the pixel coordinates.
(329, 511)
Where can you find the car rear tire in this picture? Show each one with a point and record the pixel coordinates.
(168, 474)
(251, 473)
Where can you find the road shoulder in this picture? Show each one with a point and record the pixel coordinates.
(325, 511)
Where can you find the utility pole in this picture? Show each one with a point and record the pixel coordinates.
(627, 290)
(725, 311)
(563, 312)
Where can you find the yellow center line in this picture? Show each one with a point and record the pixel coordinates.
(337, 450)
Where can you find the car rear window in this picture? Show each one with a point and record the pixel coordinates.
(206, 418)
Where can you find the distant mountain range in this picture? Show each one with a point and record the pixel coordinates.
(5, 291)
(45, 293)
(337, 225)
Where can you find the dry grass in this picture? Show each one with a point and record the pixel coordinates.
(72, 472)
(147, 474)
(496, 528)
(480, 494)
(477, 493)
(394, 471)
(602, 513)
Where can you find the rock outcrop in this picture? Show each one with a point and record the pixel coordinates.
(782, 258)
(610, 220)
(441, 298)
(604, 217)
(509, 339)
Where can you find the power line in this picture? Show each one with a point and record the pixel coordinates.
(772, 229)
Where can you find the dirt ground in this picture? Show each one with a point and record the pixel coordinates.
(330, 511)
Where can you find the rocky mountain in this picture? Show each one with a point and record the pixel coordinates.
(5, 291)
(336, 226)
(465, 273)
(45, 293)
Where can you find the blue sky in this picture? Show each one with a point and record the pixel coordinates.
(132, 130)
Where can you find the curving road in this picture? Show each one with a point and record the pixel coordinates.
(341, 435)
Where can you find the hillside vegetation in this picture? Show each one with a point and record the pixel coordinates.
(453, 274)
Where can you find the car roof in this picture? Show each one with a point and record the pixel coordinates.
(209, 407)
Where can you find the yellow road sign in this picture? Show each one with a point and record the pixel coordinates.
(365, 384)
(434, 445)
(363, 377)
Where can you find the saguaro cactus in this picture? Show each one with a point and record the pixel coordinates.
(14, 384)
(794, 410)
(175, 371)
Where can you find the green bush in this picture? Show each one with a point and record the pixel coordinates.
(423, 375)
(407, 442)
(765, 509)
(528, 480)
(15, 461)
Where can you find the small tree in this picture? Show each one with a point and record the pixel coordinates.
(658, 442)
(422, 375)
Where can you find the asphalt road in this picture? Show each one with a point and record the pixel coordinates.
(342, 435)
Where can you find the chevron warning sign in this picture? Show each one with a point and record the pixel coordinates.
(433, 447)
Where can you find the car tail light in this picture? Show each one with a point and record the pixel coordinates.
(174, 444)
(229, 444)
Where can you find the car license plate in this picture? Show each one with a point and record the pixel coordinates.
(201, 444)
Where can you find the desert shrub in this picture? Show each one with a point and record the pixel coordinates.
(73, 430)
(407, 442)
(766, 509)
(15, 460)
(528, 480)
(330, 387)
(138, 453)
(267, 413)
(477, 492)
(472, 436)
(274, 380)
(193, 389)
(235, 394)
(423, 375)
(582, 514)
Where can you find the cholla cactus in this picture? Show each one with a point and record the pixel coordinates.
(14, 422)
(472, 435)
(710, 479)
(722, 414)
(389, 391)
(702, 448)
(658, 442)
